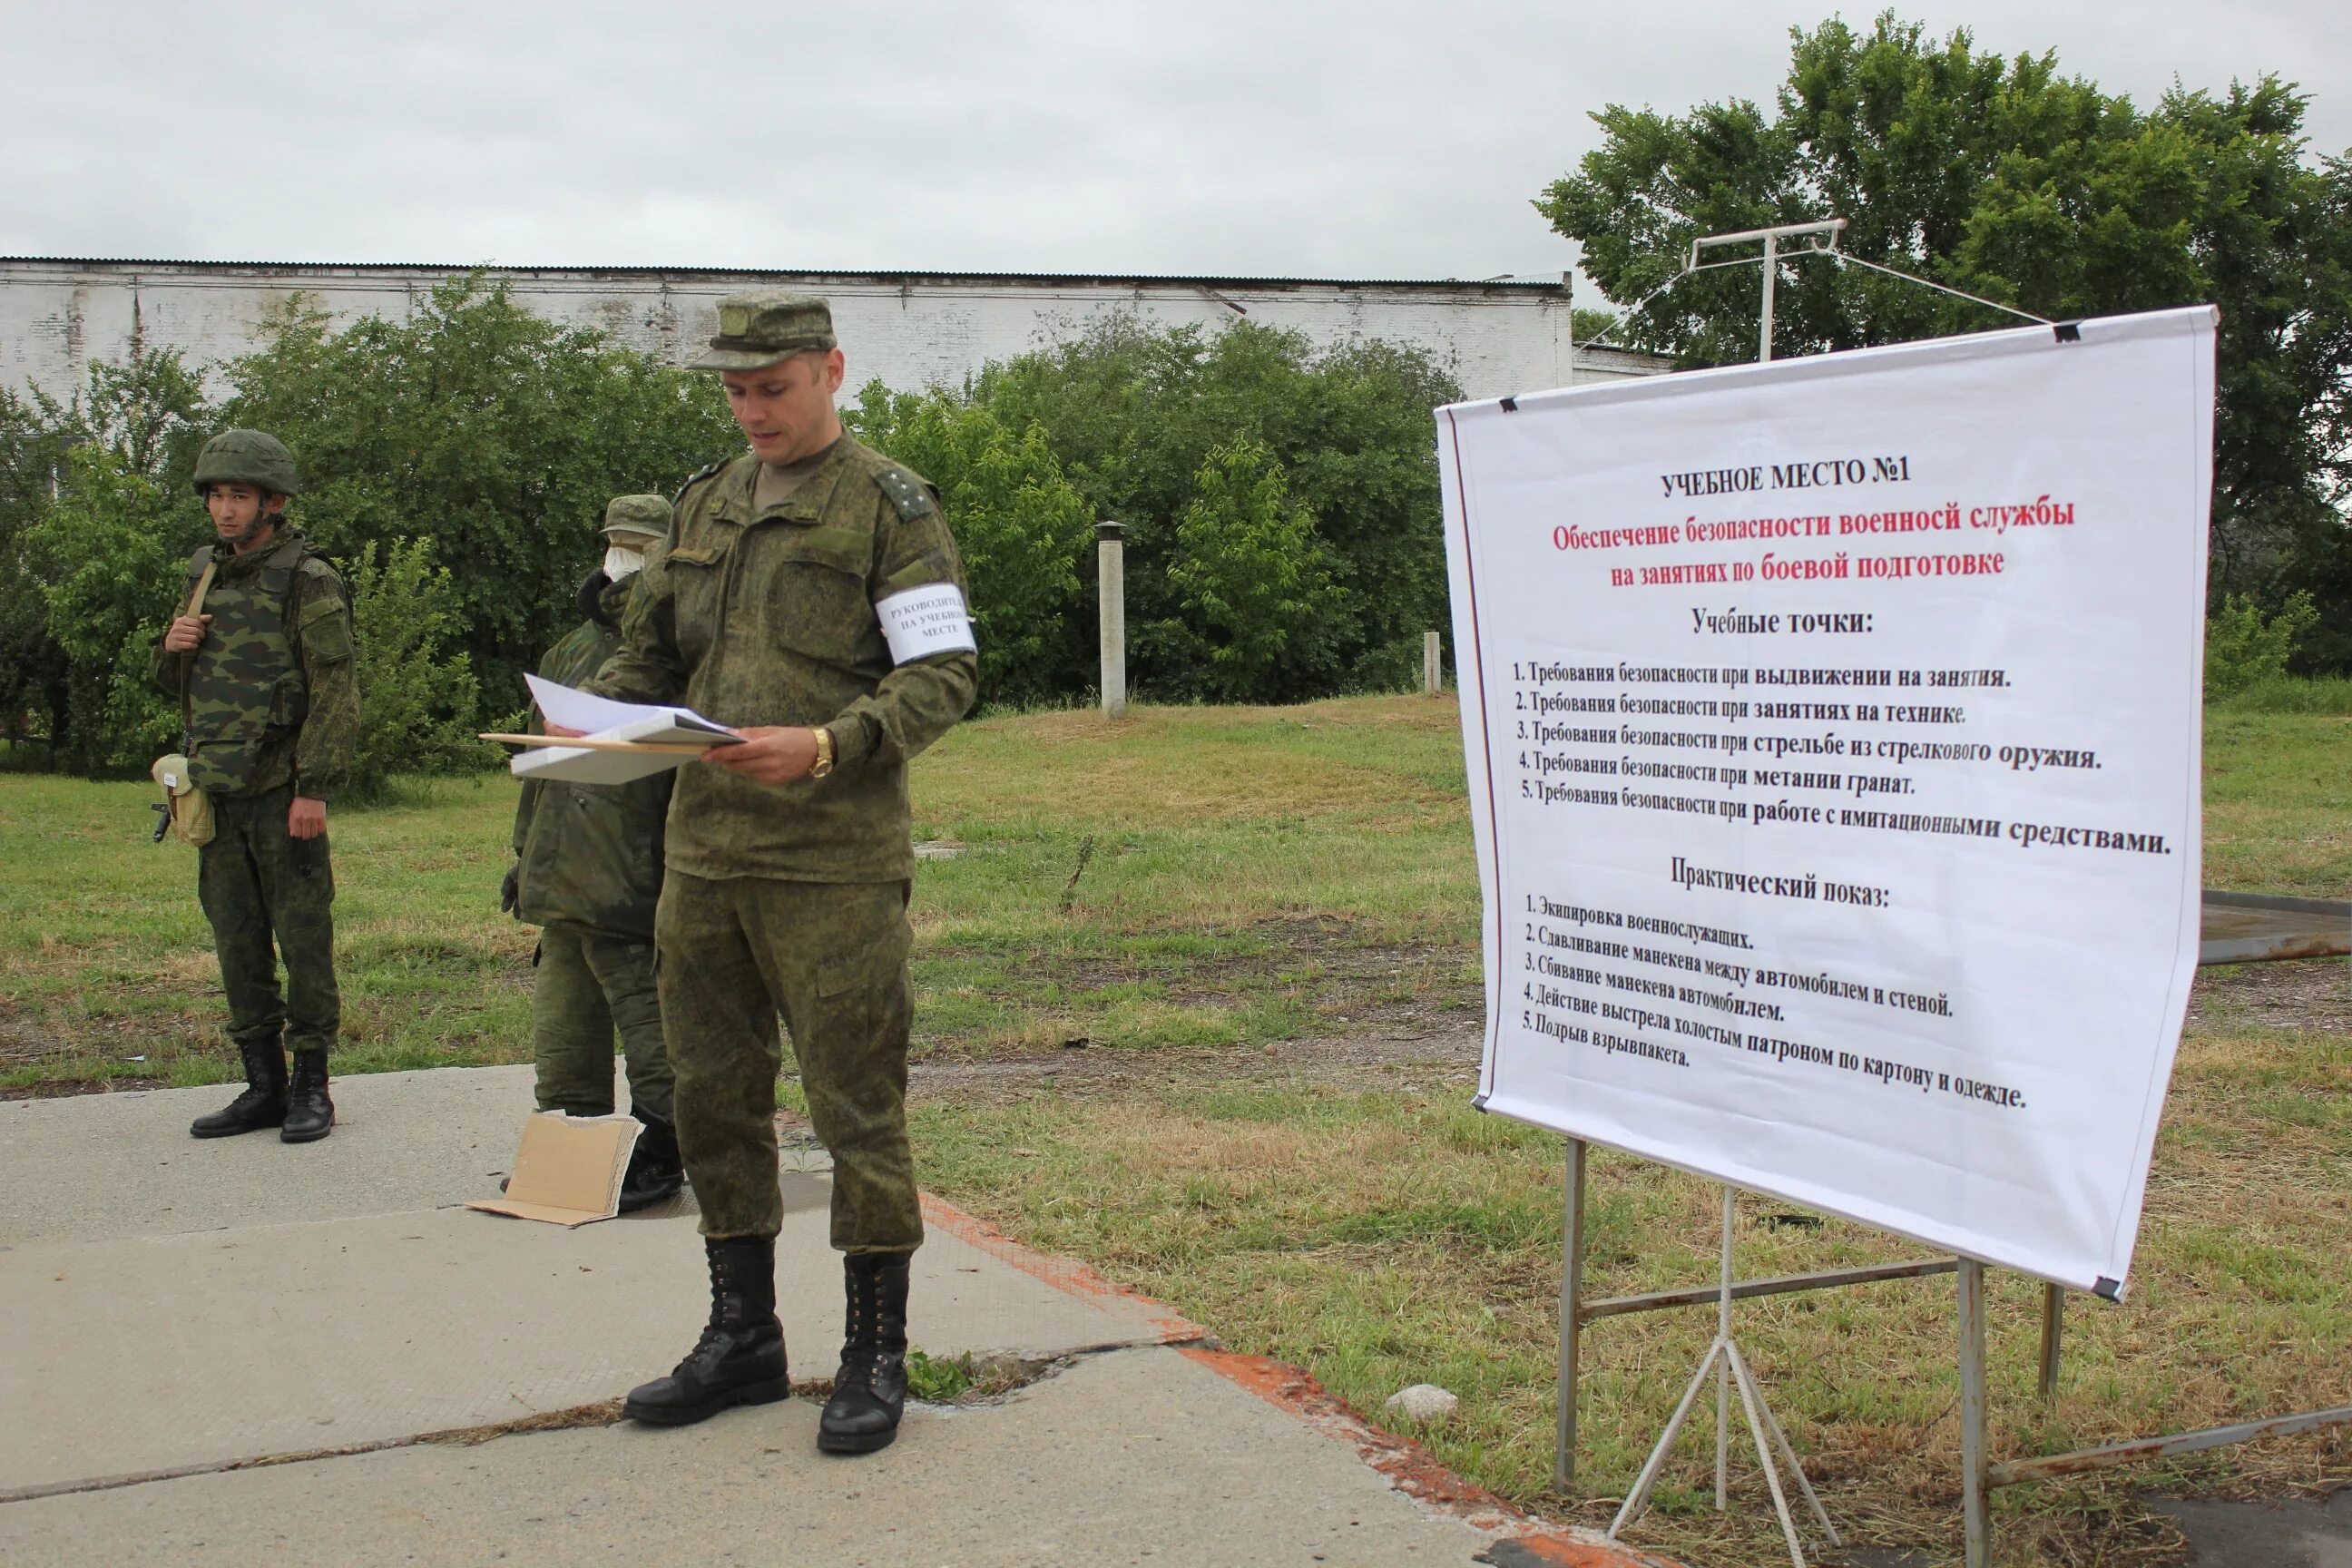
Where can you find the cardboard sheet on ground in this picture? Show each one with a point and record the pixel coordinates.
(1832, 729)
(568, 1171)
(602, 719)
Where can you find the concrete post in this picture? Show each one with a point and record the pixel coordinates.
(1111, 607)
(1433, 665)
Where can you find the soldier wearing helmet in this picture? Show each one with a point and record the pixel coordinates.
(263, 669)
(587, 872)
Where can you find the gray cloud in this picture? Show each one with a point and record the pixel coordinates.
(1357, 139)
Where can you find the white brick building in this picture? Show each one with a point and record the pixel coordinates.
(911, 328)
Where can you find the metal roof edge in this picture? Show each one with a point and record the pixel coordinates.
(848, 273)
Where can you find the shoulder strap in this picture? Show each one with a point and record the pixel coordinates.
(188, 659)
(908, 494)
(694, 478)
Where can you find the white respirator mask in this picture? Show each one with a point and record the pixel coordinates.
(620, 559)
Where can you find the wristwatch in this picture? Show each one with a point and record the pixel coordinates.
(823, 764)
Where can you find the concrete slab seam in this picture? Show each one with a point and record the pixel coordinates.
(1033, 1369)
(601, 1412)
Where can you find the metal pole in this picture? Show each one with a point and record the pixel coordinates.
(1111, 604)
(1572, 1319)
(1723, 1371)
(1771, 275)
(1975, 1506)
(1432, 665)
(2054, 1329)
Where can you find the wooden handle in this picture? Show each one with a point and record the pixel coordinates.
(591, 744)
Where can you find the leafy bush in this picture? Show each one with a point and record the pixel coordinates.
(418, 699)
(114, 575)
(2243, 648)
(1256, 584)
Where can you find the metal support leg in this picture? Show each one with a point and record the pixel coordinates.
(1975, 1497)
(1723, 1368)
(1572, 1319)
(1754, 1404)
(1639, 1498)
(2054, 1329)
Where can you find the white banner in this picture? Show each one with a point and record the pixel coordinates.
(1832, 729)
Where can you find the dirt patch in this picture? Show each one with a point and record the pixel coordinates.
(1369, 1057)
(2314, 994)
(23, 1041)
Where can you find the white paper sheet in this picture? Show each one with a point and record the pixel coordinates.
(1833, 730)
(592, 715)
(607, 720)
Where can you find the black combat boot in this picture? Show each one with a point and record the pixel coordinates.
(869, 1392)
(655, 1171)
(310, 1114)
(263, 1103)
(739, 1359)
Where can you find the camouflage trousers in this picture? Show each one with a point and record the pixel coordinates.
(269, 894)
(591, 984)
(832, 959)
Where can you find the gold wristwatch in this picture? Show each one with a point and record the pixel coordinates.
(823, 764)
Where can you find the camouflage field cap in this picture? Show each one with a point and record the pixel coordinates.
(760, 328)
(643, 515)
(247, 458)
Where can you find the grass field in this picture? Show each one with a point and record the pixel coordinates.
(1259, 923)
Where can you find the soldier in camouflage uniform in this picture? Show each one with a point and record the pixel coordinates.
(587, 870)
(781, 604)
(266, 679)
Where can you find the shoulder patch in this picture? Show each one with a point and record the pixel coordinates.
(908, 493)
(694, 478)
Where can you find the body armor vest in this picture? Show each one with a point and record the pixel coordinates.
(245, 689)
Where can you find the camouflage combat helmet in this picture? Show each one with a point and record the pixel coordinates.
(646, 517)
(247, 458)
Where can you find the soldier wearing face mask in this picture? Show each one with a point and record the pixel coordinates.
(587, 872)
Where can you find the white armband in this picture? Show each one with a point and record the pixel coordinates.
(920, 622)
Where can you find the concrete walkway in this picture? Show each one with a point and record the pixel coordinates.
(237, 1352)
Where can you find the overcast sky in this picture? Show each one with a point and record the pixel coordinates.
(1360, 139)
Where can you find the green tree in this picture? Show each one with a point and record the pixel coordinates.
(418, 699)
(1134, 413)
(33, 667)
(483, 427)
(114, 561)
(1586, 324)
(2005, 178)
(2244, 648)
(102, 534)
(1022, 528)
(1255, 584)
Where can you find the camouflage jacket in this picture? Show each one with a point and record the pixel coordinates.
(767, 618)
(591, 855)
(273, 692)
